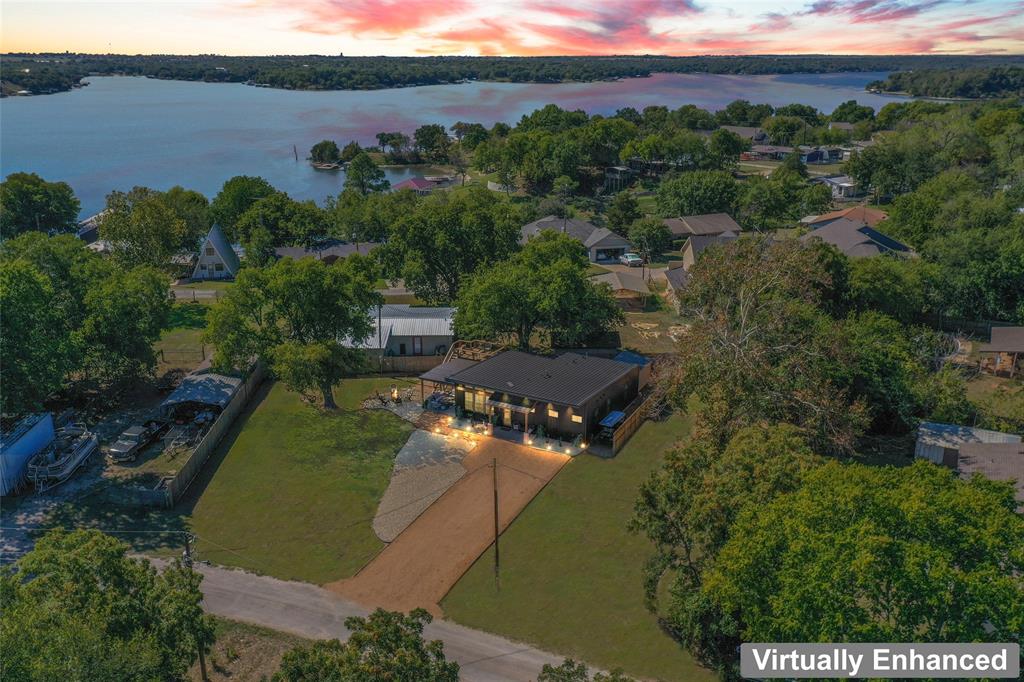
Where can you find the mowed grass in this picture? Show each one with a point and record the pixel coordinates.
(181, 344)
(294, 491)
(571, 573)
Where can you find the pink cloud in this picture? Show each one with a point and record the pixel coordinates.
(386, 17)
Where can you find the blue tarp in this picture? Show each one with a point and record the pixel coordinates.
(632, 358)
(612, 419)
(29, 436)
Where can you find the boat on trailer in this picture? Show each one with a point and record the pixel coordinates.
(71, 447)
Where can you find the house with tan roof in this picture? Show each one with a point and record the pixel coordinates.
(701, 225)
(865, 215)
(602, 245)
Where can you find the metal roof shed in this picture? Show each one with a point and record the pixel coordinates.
(205, 388)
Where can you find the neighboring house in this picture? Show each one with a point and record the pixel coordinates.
(967, 450)
(617, 178)
(408, 330)
(860, 214)
(857, 240)
(602, 244)
(627, 288)
(842, 186)
(217, 259)
(568, 394)
(813, 155)
(1005, 351)
(420, 185)
(697, 243)
(702, 225)
(89, 229)
(677, 278)
(328, 251)
(841, 125)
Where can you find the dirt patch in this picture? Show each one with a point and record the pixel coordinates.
(245, 652)
(428, 558)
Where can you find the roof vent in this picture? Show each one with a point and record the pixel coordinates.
(509, 384)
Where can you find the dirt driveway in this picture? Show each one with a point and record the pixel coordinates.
(428, 558)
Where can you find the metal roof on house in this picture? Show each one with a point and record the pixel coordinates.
(567, 379)
(441, 373)
(400, 319)
(1005, 340)
(204, 387)
(856, 239)
(416, 183)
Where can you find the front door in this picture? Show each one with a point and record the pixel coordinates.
(417, 345)
(506, 418)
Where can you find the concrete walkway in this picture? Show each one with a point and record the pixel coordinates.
(429, 557)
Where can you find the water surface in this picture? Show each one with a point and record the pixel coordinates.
(121, 132)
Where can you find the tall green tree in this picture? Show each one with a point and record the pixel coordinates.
(142, 228)
(27, 202)
(574, 671)
(651, 236)
(293, 315)
(325, 151)
(541, 293)
(432, 141)
(78, 607)
(386, 646)
(623, 212)
(364, 176)
(193, 208)
(447, 237)
(235, 198)
(697, 193)
(286, 221)
(35, 346)
(876, 554)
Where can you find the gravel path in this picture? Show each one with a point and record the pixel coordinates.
(426, 466)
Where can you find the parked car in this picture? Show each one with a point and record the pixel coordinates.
(134, 439)
(631, 260)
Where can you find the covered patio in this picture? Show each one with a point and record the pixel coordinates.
(1005, 353)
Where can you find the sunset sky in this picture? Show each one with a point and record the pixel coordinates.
(508, 27)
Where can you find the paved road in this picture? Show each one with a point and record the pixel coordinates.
(311, 611)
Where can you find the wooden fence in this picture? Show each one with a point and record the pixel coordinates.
(175, 486)
(405, 364)
(632, 422)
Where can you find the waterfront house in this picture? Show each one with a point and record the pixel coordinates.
(602, 244)
(217, 259)
(419, 185)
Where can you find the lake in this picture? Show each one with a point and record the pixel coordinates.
(121, 132)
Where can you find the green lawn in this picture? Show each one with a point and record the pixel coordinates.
(571, 572)
(206, 285)
(295, 493)
(181, 346)
(291, 491)
(1004, 395)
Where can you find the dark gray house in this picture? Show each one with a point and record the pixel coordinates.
(602, 244)
(568, 395)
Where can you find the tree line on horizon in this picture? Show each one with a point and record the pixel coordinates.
(48, 73)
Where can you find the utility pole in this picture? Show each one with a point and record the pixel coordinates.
(494, 466)
(199, 645)
(380, 343)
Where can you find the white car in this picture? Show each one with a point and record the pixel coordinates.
(631, 260)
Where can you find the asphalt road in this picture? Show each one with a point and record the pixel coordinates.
(311, 611)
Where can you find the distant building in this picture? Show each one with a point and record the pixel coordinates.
(861, 214)
(841, 125)
(602, 244)
(408, 330)
(842, 186)
(751, 134)
(419, 185)
(217, 259)
(89, 229)
(328, 251)
(857, 240)
(696, 245)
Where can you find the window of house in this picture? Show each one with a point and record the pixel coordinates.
(553, 414)
(417, 345)
(209, 251)
(218, 267)
(476, 401)
(401, 349)
(577, 419)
